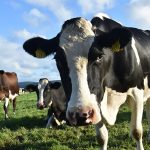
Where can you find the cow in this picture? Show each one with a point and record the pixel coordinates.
(51, 94)
(9, 89)
(99, 73)
(31, 88)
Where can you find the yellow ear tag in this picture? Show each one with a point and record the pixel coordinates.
(116, 47)
(40, 53)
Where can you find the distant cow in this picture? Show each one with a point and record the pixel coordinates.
(31, 88)
(100, 73)
(52, 95)
(9, 89)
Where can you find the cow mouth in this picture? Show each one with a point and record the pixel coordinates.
(75, 119)
(41, 107)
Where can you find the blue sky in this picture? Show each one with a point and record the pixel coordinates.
(23, 19)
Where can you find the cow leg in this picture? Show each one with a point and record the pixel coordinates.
(136, 104)
(148, 117)
(49, 114)
(50, 122)
(102, 135)
(6, 102)
(14, 105)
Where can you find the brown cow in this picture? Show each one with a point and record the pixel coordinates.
(9, 89)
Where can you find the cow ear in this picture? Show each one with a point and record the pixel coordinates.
(40, 47)
(55, 85)
(119, 38)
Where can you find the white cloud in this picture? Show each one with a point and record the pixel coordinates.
(139, 12)
(94, 6)
(34, 17)
(57, 7)
(15, 59)
(24, 34)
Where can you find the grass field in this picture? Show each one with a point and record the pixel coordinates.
(26, 131)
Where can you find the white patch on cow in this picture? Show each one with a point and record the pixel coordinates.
(6, 102)
(135, 51)
(111, 103)
(41, 87)
(146, 90)
(147, 100)
(11, 96)
(102, 16)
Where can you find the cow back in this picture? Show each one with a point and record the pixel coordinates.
(8, 82)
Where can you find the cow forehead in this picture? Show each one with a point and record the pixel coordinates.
(78, 22)
(76, 37)
(42, 82)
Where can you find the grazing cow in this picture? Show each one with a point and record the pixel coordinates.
(100, 73)
(52, 95)
(9, 89)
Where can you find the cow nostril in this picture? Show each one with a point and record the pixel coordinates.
(91, 113)
(84, 114)
(40, 106)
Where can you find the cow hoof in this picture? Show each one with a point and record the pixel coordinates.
(49, 126)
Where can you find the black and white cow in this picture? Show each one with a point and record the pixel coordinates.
(100, 73)
(51, 94)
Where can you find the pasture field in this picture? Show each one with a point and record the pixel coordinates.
(26, 131)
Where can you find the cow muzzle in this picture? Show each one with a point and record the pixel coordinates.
(40, 105)
(81, 116)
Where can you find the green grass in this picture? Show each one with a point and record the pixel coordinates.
(26, 131)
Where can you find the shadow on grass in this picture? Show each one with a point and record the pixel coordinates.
(126, 116)
(123, 116)
(28, 146)
(26, 122)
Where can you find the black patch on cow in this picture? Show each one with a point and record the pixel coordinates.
(123, 35)
(55, 85)
(62, 66)
(104, 25)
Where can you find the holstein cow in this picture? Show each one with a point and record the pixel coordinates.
(9, 89)
(52, 95)
(118, 69)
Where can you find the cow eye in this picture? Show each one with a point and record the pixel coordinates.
(99, 59)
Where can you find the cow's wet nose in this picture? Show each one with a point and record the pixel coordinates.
(80, 116)
(40, 105)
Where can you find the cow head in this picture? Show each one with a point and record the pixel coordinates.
(47, 94)
(40, 95)
(71, 47)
